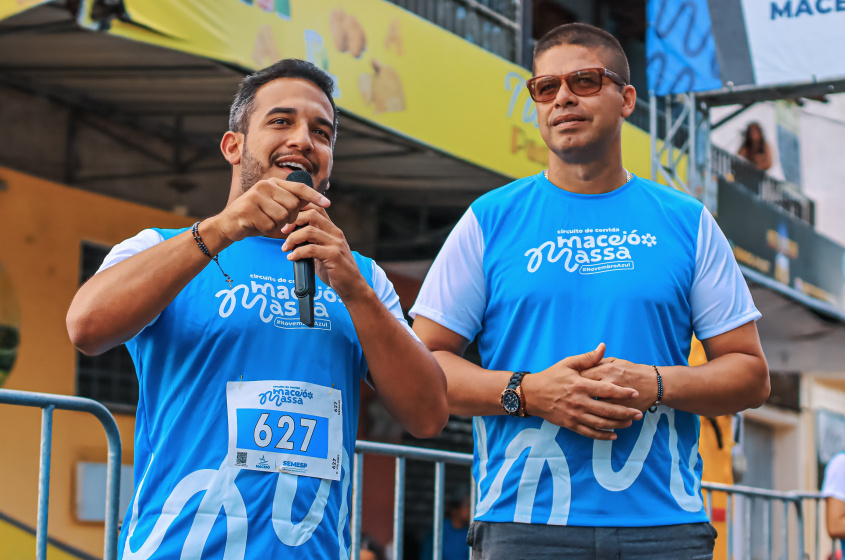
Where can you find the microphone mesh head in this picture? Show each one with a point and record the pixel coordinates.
(300, 176)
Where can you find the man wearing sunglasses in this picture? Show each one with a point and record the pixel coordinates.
(589, 455)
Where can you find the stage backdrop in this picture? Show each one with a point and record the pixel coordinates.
(699, 45)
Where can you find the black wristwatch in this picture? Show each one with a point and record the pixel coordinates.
(513, 399)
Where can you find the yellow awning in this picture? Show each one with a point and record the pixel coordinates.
(392, 68)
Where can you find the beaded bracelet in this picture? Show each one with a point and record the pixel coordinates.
(653, 408)
(195, 230)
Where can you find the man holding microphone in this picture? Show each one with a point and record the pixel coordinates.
(246, 419)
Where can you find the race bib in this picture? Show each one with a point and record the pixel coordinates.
(285, 426)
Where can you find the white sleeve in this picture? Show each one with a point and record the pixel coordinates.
(454, 293)
(834, 478)
(720, 299)
(383, 288)
(132, 246)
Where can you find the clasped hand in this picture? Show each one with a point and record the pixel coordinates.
(623, 373)
(589, 394)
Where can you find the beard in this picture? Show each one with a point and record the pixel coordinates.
(253, 171)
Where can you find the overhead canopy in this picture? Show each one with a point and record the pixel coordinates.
(170, 105)
(746, 95)
(799, 333)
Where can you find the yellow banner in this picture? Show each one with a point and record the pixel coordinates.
(391, 68)
(8, 8)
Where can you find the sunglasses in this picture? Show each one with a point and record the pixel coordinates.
(581, 82)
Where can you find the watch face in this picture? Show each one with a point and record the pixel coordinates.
(510, 401)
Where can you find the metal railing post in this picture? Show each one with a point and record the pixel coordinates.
(785, 529)
(50, 402)
(357, 495)
(767, 525)
(44, 482)
(439, 486)
(473, 496)
(729, 504)
(652, 126)
(799, 514)
(517, 34)
(399, 509)
(818, 524)
(747, 503)
(692, 178)
(668, 140)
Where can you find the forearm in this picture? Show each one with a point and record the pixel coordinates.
(725, 385)
(406, 376)
(117, 303)
(835, 518)
(836, 528)
(472, 390)
(558, 394)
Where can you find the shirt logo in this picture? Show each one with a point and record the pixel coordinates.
(589, 251)
(276, 302)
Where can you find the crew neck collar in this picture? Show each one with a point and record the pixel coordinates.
(546, 183)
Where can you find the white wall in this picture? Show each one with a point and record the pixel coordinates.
(823, 163)
(822, 136)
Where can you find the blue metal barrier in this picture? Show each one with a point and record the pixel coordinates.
(47, 403)
(788, 501)
(402, 454)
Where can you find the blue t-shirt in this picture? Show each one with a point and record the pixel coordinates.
(190, 502)
(454, 546)
(539, 274)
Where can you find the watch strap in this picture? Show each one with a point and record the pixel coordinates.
(513, 385)
(516, 379)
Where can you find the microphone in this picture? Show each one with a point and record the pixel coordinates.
(303, 269)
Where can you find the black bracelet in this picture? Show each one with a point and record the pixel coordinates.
(195, 230)
(653, 408)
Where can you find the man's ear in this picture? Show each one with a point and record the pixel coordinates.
(232, 146)
(629, 100)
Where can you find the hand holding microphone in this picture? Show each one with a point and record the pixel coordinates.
(303, 269)
(315, 243)
(313, 237)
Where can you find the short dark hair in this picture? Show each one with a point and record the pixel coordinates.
(589, 36)
(242, 107)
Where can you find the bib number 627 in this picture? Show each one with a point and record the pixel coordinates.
(263, 434)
